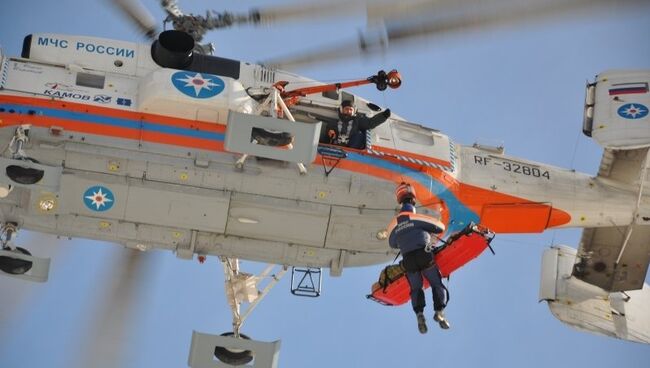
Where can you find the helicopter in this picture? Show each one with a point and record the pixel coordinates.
(542, 176)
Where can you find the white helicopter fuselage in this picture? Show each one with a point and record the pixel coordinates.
(134, 153)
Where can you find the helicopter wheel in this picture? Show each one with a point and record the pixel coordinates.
(233, 357)
(24, 175)
(15, 266)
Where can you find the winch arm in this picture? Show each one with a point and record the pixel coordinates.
(382, 80)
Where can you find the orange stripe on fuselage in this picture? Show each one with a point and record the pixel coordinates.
(474, 198)
(214, 127)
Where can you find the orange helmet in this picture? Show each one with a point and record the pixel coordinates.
(404, 193)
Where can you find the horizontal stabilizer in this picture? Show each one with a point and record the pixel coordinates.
(614, 258)
(586, 307)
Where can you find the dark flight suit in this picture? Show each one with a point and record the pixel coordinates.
(350, 131)
(410, 233)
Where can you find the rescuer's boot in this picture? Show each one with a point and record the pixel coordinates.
(439, 317)
(422, 323)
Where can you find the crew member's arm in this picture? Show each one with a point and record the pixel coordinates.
(428, 224)
(366, 123)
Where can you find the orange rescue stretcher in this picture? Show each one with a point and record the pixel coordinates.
(392, 288)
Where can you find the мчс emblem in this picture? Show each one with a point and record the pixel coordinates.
(633, 111)
(98, 198)
(198, 85)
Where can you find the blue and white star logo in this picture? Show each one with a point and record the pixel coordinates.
(99, 198)
(197, 85)
(633, 111)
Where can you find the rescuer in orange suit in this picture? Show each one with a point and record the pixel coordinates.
(410, 233)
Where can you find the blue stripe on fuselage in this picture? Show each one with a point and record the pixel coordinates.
(115, 122)
(460, 215)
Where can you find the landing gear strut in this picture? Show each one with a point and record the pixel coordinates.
(233, 347)
(12, 266)
(242, 287)
(22, 174)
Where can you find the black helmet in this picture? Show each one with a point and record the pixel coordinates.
(346, 103)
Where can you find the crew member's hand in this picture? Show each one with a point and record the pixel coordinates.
(332, 134)
(386, 113)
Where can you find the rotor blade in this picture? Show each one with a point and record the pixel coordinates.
(464, 15)
(139, 15)
(370, 42)
(310, 10)
(197, 25)
(395, 10)
(442, 17)
(171, 7)
(373, 9)
(110, 327)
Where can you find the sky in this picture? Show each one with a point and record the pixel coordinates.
(521, 86)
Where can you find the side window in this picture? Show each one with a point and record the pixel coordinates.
(382, 135)
(422, 141)
(90, 80)
(415, 136)
(332, 95)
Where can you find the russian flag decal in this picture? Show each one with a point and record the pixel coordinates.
(628, 88)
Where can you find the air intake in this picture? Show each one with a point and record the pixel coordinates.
(173, 49)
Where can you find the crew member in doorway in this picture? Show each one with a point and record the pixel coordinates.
(350, 129)
(410, 232)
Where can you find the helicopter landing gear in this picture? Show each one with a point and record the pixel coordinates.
(15, 266)
(233, 357)
(22, 174)
(19, 262)
(235, 348)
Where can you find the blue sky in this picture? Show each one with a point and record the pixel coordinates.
(521, 86)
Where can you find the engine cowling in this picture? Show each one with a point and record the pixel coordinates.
(589, 308)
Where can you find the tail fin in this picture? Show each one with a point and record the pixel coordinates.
(617, 109)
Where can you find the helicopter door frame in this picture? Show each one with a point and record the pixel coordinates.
(4, 65)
